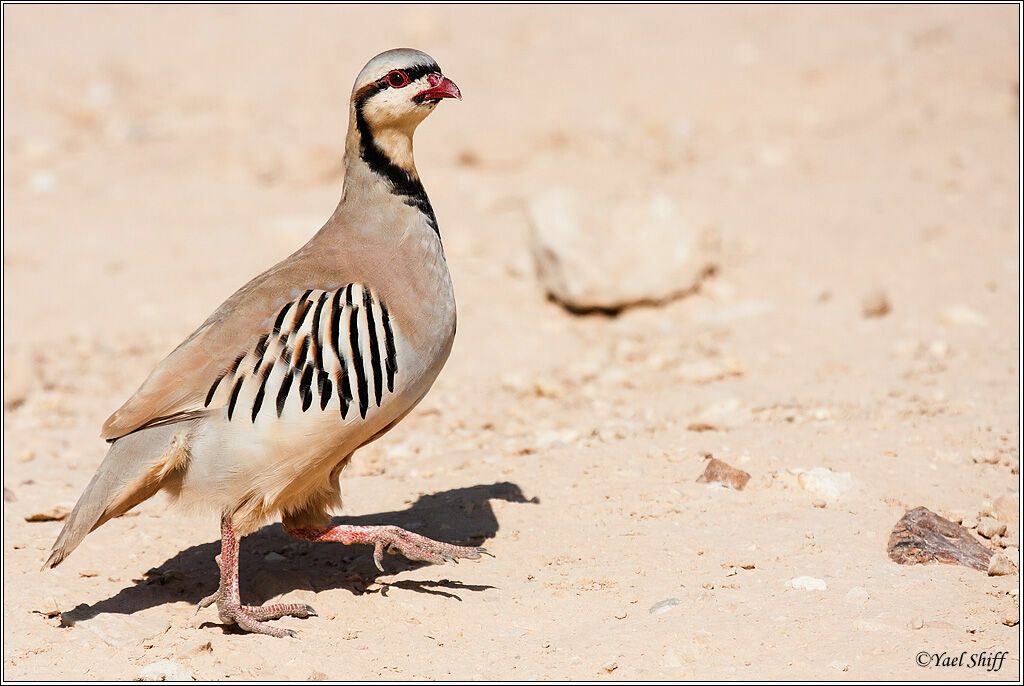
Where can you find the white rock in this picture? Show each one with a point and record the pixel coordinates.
(989, 527)
(808, 583)
(599, 255)
(123, 630)
(823, 482)
(1001, 565)
(663, 606)
(165, 670)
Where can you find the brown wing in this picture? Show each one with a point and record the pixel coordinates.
(177, 388)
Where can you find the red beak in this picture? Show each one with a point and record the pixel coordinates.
(441, 87)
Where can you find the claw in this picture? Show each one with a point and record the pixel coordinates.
(485, 551)
(378, 555)
(207, 602)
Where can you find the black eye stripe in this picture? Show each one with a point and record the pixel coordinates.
(413, 73)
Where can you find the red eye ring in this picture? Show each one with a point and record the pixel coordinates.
(396, 79)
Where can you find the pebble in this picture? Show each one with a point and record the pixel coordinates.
(989, 527)
(1001, 565)
(916, 623)
(54, 514)
(875, 304)
(9, 496)
(808, 583)
(663, 606)
(48, 608)
(823, 482)
(165, 670)
(609, 667)
(1012, 617)
(718, 472)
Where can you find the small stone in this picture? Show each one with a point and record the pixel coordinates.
(9, 496)
(1001, 565)
(54, 514)
(875, 304)
(808, 583)
(916, 623)
(1012, 617)
(609, 667)
(718, 472)
(27, 456)
(48, 608)
(1007, 508)
(165, 670)
(840, 666)
(663, 606)
(87, 573)
(317, 676)
(989, 527)
(820, 503)
(921, 536)
(823, 482)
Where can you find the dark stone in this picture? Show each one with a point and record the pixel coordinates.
(921, 536)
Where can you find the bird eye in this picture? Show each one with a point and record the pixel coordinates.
(397, 79)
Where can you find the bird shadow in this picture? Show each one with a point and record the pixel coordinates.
(272, 563)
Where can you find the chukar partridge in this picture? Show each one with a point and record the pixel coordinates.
(258, 411)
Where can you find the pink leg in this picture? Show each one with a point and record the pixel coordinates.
(248, 617)
(392, 539)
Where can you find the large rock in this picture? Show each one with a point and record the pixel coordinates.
(921, 536)
(608, 256)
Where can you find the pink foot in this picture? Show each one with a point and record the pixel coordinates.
(393, 540)
(249, 618)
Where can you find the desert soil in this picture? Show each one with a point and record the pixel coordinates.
(157, 158)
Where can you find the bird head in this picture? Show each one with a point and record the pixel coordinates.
(397, 89)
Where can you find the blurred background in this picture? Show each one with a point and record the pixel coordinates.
(798, 226)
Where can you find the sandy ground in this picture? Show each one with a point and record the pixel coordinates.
(155, 159)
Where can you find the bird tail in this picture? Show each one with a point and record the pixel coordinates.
(135, 468)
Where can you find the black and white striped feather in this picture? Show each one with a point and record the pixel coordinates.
(327, 351)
